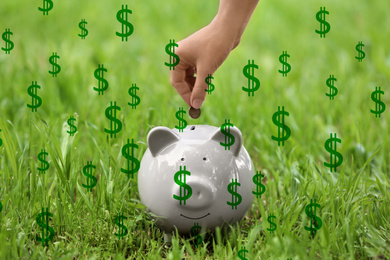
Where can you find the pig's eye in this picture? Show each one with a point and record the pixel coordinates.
(193, 127)
(182, 159)
(204, 158)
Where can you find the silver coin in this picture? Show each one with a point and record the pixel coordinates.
(194, 113)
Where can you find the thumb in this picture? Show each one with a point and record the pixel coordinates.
(199, 92)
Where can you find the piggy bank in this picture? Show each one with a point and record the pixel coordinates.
(189, 178)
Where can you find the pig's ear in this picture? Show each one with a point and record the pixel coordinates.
(219, 137)
(159, 138)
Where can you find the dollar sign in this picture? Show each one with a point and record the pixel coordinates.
(174, 58)
(379, 105)
(272, 225)
(45, 227)
(118, 124)
(284, 131)
(9, 45)
(182, 121)
(103, 83)
(72, 127)
(84, 31)
(44, 163)
(311, 213)
(1, 140)
(229, 138)
(136, 99)
(122, 228)
(236, 198)
(249, 73)
(210, 87)
(180, 179)
(87, 171)
(361, 54)
(36, 100)
(241, 253)
(286, 65)
(195, 230)
(332, 89)
(260, 188)
(332, 151)
(130, 156)
(56, 68)
(47, 6)
(127, 27)
(324, 26)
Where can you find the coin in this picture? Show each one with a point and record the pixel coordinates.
(194, 113)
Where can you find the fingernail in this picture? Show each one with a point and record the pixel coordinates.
(197, 103)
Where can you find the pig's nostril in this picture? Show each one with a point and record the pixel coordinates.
(198, 194)
(204, 159)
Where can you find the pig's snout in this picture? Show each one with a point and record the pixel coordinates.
(203, 193)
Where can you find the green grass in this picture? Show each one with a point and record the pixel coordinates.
(354, 201)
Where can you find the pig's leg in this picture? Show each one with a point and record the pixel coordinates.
(168, 238)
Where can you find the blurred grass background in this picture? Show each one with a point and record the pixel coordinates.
(354, 201)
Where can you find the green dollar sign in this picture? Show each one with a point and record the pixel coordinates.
(361, 54)
(333, 153)
(84, 31)
(180, 179)
(241, 253)
(210, 87)
(47, 6)
(311, 213)
(1, 140)
(9, 45)
(44, 163)
(136, 99)
(103, 83)
(236, 197)
(182, 121)
(87, 171)
(379, 105)
(253, 82)
(111, 114)
(272, 225)
(45, 227)
(195, 230)
(174, 58)
(127, 27)
(324, 25)
(72, 127)
(260, 188)
(56, 67)
(122, 228)
(286, 65)
(229, 138)
(36, 100)
(332, 89)
(284, 131)
(129, 155)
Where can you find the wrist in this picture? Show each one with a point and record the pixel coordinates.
(231, 29)
(233, 16)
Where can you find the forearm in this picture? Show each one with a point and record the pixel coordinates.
(234, 15)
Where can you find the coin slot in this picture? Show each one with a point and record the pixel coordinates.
(193, 127)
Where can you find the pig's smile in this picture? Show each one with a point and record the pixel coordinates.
(195, 218)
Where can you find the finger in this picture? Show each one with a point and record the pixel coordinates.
(178, 81)
(199, 92)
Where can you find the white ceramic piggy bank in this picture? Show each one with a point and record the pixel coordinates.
(184, 178)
